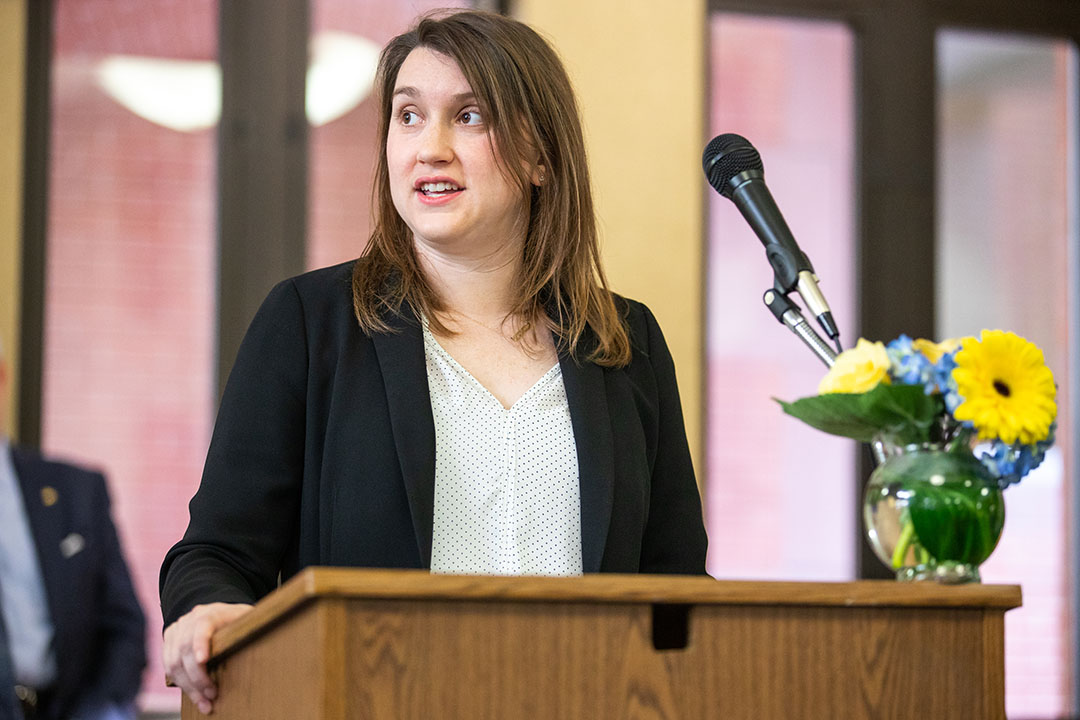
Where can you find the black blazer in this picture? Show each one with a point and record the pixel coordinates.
(100, 631)
(324, 454)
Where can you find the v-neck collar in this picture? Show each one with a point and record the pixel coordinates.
(432, 343)
(402, 363)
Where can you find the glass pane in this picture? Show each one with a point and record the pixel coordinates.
(346, 39)
(1007, 258)
(779, 496)
(129, 324)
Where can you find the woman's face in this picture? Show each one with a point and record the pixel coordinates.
(445, 179)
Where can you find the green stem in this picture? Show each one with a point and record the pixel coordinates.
(903, 544)
(960, 442)
(922, 555)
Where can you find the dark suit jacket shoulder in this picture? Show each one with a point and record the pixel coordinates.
(324, 454)
(99, 626)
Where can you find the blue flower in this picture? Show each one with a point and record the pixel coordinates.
(1010, 463)
(943, 379)
(909, 366)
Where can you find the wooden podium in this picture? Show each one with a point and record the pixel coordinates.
(333, 644)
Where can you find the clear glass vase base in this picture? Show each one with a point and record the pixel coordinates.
(946, 573)
(933, 514)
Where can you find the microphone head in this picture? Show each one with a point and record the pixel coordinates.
(725, 157)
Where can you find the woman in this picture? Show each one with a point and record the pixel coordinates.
(466, 397)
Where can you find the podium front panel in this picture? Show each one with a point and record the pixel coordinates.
(338, 656)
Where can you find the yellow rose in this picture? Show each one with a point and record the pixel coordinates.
(933, 351)
(857, 370)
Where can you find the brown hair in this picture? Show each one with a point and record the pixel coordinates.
(528, 102)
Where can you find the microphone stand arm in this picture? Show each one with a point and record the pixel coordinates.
(788, 313)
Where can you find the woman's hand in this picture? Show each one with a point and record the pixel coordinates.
(186, 648)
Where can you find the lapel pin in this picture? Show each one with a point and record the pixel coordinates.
(72, 544)
(49, 496)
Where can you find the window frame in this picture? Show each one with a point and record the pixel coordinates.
(895, 182)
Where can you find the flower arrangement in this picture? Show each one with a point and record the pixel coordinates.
(993, 396)
(962, 420)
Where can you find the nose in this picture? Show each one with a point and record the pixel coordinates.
(435, 145)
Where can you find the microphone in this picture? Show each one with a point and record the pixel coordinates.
(734, 169)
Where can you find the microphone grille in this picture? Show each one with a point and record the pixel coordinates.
(725, 157)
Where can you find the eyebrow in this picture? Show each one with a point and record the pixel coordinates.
(412, 92)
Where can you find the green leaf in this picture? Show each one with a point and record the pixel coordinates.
(957, 523)
(904, 413)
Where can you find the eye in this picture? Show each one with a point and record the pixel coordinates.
(408, 117)
(471, 117)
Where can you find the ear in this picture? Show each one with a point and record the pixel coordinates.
(539, 175)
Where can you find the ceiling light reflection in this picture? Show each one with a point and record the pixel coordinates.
(185, 95)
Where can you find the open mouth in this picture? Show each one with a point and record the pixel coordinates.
(438, 189)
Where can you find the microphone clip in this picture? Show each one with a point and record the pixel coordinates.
(789, 314)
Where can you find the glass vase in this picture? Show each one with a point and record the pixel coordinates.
(933, 514)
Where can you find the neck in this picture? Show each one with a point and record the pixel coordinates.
(478, 286)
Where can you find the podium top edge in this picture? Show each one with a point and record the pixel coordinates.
(315, 583)
(613, 588)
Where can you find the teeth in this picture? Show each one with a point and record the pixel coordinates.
(438, 187)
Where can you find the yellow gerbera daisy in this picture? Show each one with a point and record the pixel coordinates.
(1007, 389)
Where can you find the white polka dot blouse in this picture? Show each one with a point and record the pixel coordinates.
(507, 499)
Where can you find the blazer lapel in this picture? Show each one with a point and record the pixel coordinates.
(46, 516)
(587, 397)
(404, 371)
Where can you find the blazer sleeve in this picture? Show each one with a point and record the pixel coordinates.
(245, 513)
(674, 541)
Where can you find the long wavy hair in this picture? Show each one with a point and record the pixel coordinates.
(528, 102)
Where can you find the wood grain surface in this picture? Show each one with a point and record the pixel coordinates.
(402, 644)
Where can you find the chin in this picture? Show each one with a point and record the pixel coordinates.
(437, 236)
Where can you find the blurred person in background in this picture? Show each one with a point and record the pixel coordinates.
(72, 636)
